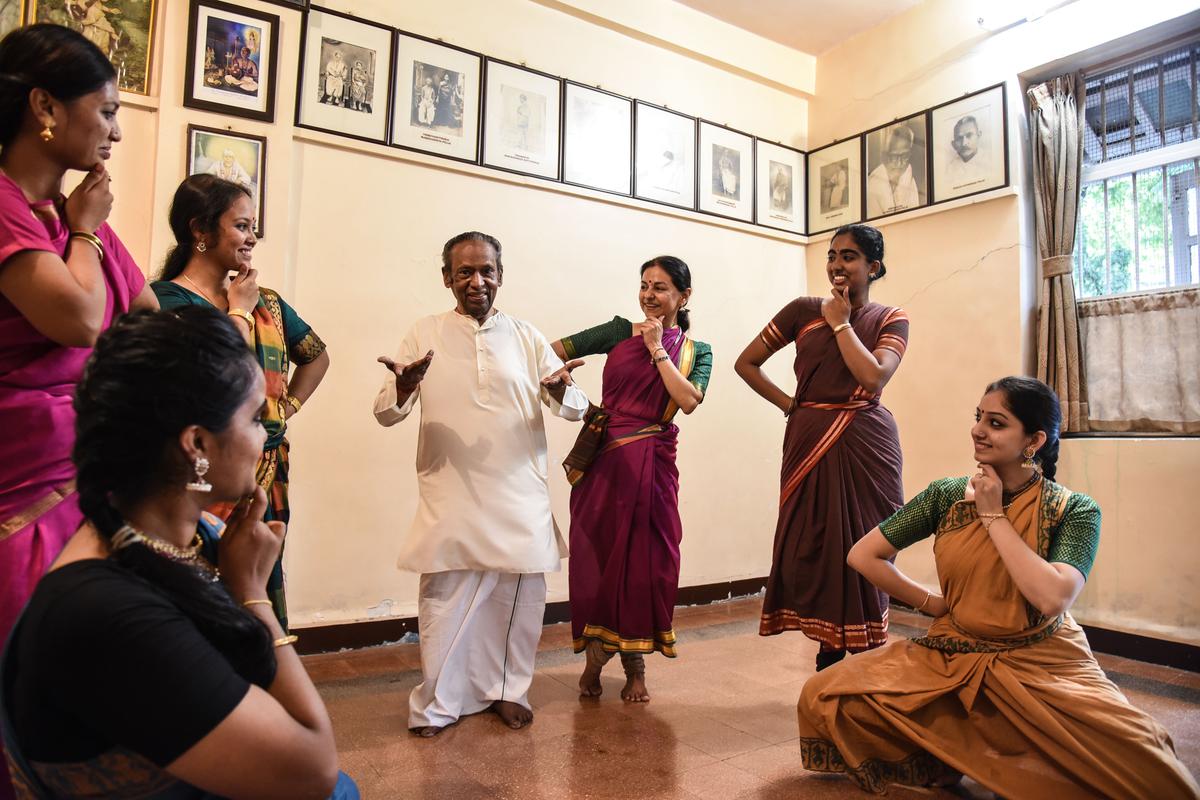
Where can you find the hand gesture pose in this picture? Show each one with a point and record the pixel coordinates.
(89, 205)
(652, 333)
(408, 376)
(556, 384)
(243, 289)
(988, 490)
(836, 309)
(250, 547)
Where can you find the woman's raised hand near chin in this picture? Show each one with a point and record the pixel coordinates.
(250, 547)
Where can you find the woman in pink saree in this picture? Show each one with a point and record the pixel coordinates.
(64, 275)
(625, 526)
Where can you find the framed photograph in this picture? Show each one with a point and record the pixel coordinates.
(237, 157)
(835, 186)
(897, 168)
(778, 186)
(726, 172)
(970, 144)
(345, 75)
(12, 15)
(521, 114)
(664, 153)
(231, 60)
(436, 107)
(597, 139)
(122, 29)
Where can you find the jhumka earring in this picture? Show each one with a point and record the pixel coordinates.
(200, 485)
(201, 246)
(1029, 463)
(47, 134)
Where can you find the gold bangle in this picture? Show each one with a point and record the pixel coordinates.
(259, 602)
(987, 520)
(294, 402)
(839, 328)
(925, 602)
(243, 314)
(91, 239)
(286, 640)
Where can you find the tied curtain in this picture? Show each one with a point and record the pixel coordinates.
(1055, 124)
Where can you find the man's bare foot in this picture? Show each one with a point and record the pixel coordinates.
(589, 681)
(428, 731)
(635, 678)
(514, 716)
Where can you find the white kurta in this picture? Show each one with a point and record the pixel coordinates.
(482, 466)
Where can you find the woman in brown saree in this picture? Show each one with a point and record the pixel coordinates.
(1003, 687)
(841, 450)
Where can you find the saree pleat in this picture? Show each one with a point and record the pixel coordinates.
(995, 691)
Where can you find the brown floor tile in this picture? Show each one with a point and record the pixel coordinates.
(721, 722)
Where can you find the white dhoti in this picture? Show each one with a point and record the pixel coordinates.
(479, 635)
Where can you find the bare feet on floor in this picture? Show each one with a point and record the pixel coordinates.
(428, 731)
(514, 716)
(635, 679)
(589, 681)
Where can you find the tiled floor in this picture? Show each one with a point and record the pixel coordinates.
(721, 723)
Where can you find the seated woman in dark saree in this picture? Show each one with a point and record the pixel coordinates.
(625, 527)
(1003, 687)
(134, 671)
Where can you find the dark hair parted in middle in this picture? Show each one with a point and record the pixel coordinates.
(153, 374)
(58, 60)
(1036, 406)
(471, 236)
(869, 240)
(681, 278)
(201, 199)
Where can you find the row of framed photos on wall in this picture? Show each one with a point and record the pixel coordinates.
(371, 82)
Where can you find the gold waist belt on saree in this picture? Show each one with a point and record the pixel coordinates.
(971, 644)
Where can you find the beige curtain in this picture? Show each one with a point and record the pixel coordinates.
(1055, 123)
(1142, 352)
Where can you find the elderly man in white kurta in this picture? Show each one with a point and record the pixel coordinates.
(483, 534)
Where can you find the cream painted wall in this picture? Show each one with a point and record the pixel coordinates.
(353, 237)
(966, 276)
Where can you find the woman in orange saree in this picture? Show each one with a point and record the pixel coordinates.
(1004, 686)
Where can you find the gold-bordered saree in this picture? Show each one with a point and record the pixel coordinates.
(995, 690)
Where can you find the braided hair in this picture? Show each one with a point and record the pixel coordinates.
(151, 375)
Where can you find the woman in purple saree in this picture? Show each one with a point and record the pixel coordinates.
(625, 527)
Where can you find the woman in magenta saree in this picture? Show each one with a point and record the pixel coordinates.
(841, 451)
(625, 526)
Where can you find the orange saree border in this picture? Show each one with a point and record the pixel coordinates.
(850, 637)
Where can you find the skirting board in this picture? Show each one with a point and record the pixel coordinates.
(354, 635)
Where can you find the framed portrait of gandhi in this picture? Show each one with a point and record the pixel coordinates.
(345, 75)
(231, 60)
(970, 144)
(122, 29)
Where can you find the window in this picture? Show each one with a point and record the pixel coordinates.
(1139, 205)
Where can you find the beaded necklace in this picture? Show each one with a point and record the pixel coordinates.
(189, 555)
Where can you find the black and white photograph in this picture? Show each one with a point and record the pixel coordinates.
(897, 173)
(597, 139)
(726, 169)
(345, 72)
(521, 120)
(347, 76)
(231, 60)
(237, 157)
(779, 186)
(835, 185)
(664, 156)
(436, 106)
(970, 145)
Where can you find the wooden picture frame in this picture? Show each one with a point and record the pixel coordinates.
(232, 60)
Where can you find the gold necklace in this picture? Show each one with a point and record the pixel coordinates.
(203, 293)
(190, 555)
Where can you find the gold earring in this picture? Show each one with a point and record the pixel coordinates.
(1029, 453)
(47, 134)
(201, 246)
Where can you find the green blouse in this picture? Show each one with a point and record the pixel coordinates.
(1073, 542)
(607, 335)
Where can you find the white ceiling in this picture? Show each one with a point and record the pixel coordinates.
(811, 26)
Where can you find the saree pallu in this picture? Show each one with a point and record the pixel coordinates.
(840, 478)
(625, 526)
(995, 690)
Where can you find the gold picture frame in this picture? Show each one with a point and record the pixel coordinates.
(122, 29)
